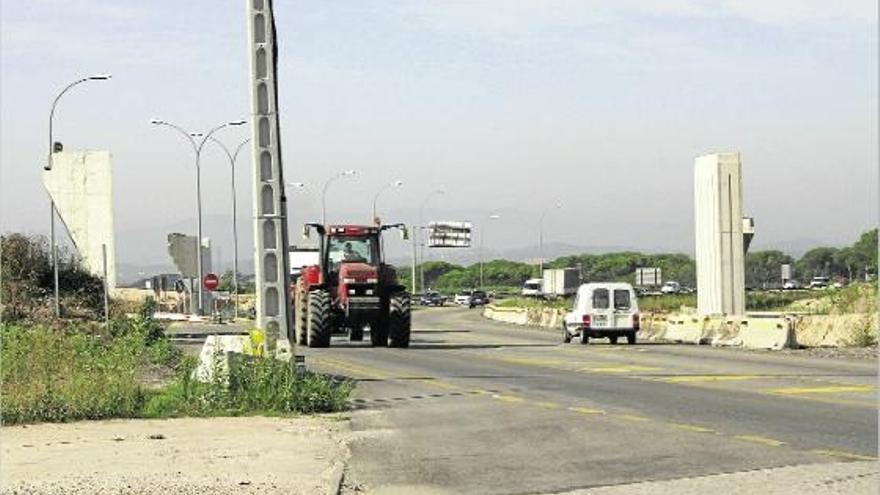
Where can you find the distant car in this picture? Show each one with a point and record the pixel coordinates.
(791, 285)
(603, 310)
(671, 287)
(819, 283)
(432, 298)
(463, 298)
(478, 298)
(838, 284)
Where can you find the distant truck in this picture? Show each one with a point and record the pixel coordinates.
(301, 257)
(560, 282)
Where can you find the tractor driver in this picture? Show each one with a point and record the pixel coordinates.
(349, 254)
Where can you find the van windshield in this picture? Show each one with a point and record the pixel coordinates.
(622, 299)
(600, 299)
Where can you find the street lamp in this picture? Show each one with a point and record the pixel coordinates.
(557, 205)
(48, 166)
(346, 173)
(397, 183)
(233, 156)
(482, 238)
(417, 229)
(197, 149)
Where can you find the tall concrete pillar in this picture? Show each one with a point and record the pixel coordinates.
(719, 231)
(271, 263)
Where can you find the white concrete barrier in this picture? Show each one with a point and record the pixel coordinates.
(758, 332)
(214, 356)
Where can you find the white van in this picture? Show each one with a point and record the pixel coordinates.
(532, 287)
(604, 309)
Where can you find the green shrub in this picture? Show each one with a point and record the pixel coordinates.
(251, 386)
(51, 375)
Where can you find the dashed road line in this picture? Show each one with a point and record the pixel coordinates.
(771, 442)
(586, 410)
(822, 390)
(707, 378)
(688, 427)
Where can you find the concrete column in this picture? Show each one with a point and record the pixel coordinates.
(718, 229)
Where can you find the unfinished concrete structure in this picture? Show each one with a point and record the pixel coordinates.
(721, 234)
(81, 185)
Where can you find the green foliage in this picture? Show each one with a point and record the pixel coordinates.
(865, 333)
(51, 375)
(226, 284)
(667, 303)
(91, 372)
(764, 268)
(28, 281)
(621, 267)
(251, 386)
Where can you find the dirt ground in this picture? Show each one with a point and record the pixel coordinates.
(252, 455)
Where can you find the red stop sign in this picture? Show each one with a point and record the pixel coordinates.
(211, 281)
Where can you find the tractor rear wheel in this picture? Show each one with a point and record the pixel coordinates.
(300, 315)
(319, 319)
(399, 321)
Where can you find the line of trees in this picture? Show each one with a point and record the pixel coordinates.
(763, 268)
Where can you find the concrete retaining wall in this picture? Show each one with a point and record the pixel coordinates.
(766, 332)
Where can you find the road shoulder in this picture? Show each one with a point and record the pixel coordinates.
(851, 478)
(246, 455)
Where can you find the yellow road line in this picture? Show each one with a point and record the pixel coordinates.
(822, 390)
(512, 399)
(696, 428)
(706, 378)
(845, 455)
(586, 410)
(632, 417)
(547, 405)
(623, 368)
(761, 440)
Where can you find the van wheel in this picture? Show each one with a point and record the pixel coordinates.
(585, 339)
(613, 339)
(566, 338)
(631, 338)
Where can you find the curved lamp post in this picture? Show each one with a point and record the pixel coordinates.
(233, 156)
(197, 149)
(346, 173)
(397, 183)
(48, 166)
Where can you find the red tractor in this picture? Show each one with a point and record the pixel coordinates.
(351, 288)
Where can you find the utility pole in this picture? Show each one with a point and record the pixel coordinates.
(271, 241)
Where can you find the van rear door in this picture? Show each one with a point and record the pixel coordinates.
(623, 308)
(601, 311)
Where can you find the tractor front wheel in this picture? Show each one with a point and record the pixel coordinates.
(319, 319)
(399, 321)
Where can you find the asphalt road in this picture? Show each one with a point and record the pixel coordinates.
(480, 407)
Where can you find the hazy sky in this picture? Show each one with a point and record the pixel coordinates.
(506, 104)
